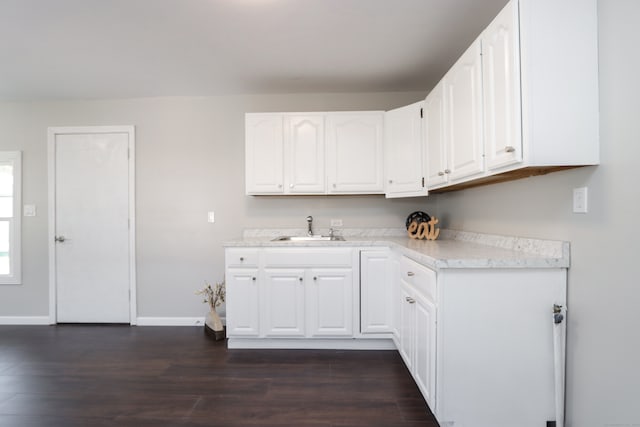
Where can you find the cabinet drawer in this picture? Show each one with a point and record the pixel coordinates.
(420, 277)
(241, 257)
(306, 257)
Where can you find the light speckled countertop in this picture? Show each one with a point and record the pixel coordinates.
(453, 249)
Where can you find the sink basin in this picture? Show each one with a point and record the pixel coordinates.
(317, 238)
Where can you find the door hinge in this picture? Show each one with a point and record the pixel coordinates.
(421, 113)
(423, 182)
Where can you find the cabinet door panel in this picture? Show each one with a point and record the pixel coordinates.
(435, 145)
(501, 89)
(376, 286)
(406, 327)
(304, 144)
(242, 302)
(463, 103)
(264, 143)
(330, 302)
(425, 352)
(354, 153)
(404, 152)
(283, 303)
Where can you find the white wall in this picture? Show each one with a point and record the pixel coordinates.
(189, 160)
(604, 290)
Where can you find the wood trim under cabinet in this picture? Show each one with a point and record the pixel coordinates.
(504, 177)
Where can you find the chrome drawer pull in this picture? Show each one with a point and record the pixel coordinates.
(410, 273)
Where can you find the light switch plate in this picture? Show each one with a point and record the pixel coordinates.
(580, 204)
(211, 217)
(29, 210)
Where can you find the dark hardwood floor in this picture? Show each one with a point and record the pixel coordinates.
(76, 375)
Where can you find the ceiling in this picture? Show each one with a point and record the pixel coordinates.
(69, 49)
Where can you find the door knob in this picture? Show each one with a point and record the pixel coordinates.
(60, 239)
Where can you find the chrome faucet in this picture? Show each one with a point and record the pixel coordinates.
(310, 225)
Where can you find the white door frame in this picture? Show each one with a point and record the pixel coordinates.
(52, 133)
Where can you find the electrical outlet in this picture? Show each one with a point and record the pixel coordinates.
(29, 210)
(580, 200)
(336, 223)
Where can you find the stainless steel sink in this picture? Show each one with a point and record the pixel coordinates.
(317, 238)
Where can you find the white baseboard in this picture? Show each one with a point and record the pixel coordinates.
(172, 321)
(24, 320)
(312, 343)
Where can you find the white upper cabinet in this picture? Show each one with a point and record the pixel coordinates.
(354, 152)
(434, 141)
(304, 158)
(314, 153)
(403, 151)
(264, 142)
(521, 99)
(501, 89)
(559, 82)
(463, 115)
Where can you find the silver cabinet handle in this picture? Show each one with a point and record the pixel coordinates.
(390, 181)
(509, 149)
(253, 278)
(315, 278)
(410, 300)
(410, 273)
(279, 185)
(59, 239)
(290, 185)
(447, 171)
(300, 279)
(440, 173)
(241, 259)
(334, 186)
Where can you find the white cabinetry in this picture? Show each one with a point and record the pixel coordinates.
(417, 332)
(481, 338)
(329, 302)
(264, 146)
(355, 152)
(314, 153)
(376, 290)
(506, 115)
(404, 153)
(501, 89)
(434, 141)
(242, 292)
(315, 302)
(290, 293)
(462, 87)
(304, 154)
(283, 303)
(453, 123)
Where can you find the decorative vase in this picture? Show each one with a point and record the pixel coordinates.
(213, 323)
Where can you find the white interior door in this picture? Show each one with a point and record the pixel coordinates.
(91, 226)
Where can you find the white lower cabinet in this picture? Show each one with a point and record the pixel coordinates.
(242, 302)
(291, 293)
(329, 302)
(283, 303)
(417, 332)
(314, 302)
(376, 313)
(479, 342)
